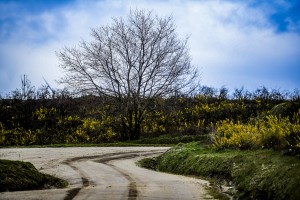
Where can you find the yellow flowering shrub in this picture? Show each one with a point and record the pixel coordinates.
(97, 131)
(16, 136)
(236, 135)
(110, 134)
(42, 113)
(271, 132)
(91, 124)
(274, 132)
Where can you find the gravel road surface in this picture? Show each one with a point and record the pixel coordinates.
(103, 173)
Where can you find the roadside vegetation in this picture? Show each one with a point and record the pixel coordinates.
(17, 175)
(254, 159)
(45, 116)
(250, 174)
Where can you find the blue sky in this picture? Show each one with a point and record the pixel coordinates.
(235, 43)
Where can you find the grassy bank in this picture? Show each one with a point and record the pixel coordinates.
(173, 139)
(17, 175)
(260, 174)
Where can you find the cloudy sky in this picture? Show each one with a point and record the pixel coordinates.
(235, 43)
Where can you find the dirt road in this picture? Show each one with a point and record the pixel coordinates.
(103, 173)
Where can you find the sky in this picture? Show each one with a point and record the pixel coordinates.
(233, 43)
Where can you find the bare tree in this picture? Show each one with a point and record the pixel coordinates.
(26, 92)
(132, 61)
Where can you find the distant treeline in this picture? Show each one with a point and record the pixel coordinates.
(47, 116)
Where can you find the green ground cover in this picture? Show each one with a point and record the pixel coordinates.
(253, 174)
(162, 140)
(17, 175)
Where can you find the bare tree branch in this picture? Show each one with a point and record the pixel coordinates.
(131, 60)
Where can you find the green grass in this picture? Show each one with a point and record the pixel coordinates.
(163, 140)
(174, 139)
(260, 174)
(17, 175)
(116, 144)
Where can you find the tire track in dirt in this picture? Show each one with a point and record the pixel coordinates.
(85, 183)
(132, 187)
(104, 159)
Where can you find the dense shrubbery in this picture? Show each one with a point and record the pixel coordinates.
(270, 131)
(51, 126)
(52, 117)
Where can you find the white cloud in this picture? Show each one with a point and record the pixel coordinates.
(232, 43)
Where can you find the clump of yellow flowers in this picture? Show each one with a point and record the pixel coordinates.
(269, 132)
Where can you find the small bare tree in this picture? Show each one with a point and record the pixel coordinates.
(131, 61)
